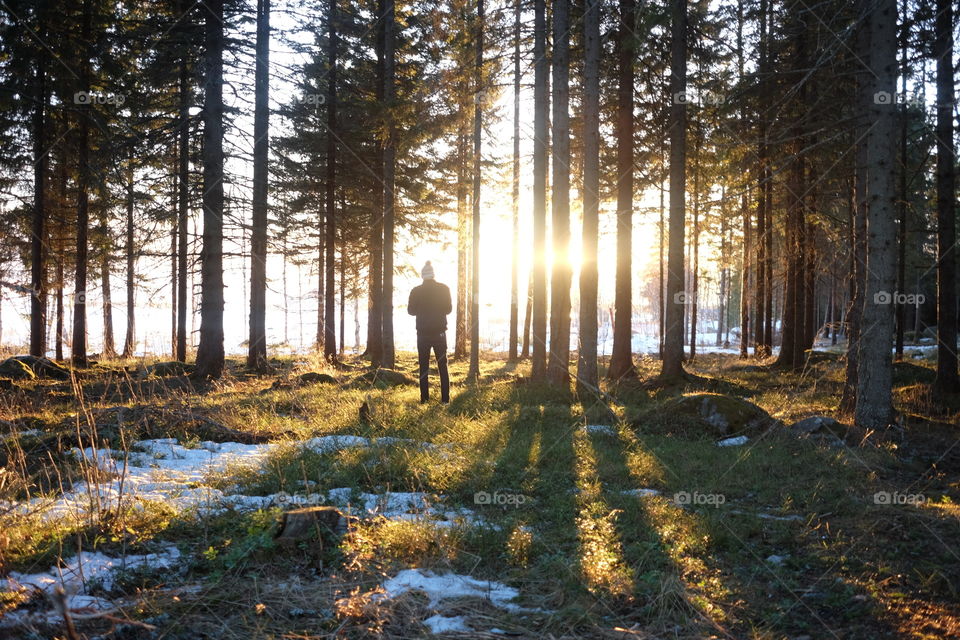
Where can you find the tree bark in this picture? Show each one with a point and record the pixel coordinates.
(109, 345)
(672, 366)
(376, 239)
(389, 168)
(129, 340)
(463, 248)
(183, 186)
(587, 378)
(947, 380)
(473, 372)
(527, 319)
(173, 284)
(902, 190)
(330, 335)
(858, 230)
(874, 407)
(515, 193)
(558, 367)
(79, 345)
(257, 347)
(210, 351)
(541, 135)
(621, 356)
(38, 219)
(695, 248)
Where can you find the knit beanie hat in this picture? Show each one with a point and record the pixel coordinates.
(427, 272)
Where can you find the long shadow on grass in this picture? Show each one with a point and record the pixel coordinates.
(689, 560)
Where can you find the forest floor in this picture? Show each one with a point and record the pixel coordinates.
(514, 511)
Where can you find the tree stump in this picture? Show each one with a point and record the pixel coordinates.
(311, 523)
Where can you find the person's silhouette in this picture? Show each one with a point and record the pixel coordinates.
(430, 303)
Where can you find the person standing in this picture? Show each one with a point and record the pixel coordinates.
(430, 303)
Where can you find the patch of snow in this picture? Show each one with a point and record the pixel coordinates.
(776, 560)
(75, 577)
(445, 624)
(403, 505)
(163, 470)
(642, 493)
(733, 442)
(791, 518)
(440, 587)
(87, 567)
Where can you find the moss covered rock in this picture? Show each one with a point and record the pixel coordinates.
(382, 378)
(717, 415)
(166, 369)
(29, 367)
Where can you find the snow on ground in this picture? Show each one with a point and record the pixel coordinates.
(163, 470)
(76, 576)
(448, 586)
(447, 624)
(641, 493)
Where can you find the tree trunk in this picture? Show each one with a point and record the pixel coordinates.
(109, 345)
(376, 240)
(792, 324)
(473, 373)
(858, 232)
(210, 350)
(38, 270)
(527, 319)
(947, 380)
(343, 294)
(129, 340)
(621, 357)
(541, 132)
(695, 249)
(330, 335)
(173, 286)
(874, 407)
(902, 196)
(463, 249)
(587, 380)
(79, 344)
(515, 193)
(183, 185)
(558, 369)
(672, 366)
(61, 258)
(661, 235)
(389, 167)
(257, 347)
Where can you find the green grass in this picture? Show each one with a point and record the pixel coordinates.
(580, 545)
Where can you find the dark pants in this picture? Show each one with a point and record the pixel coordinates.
(438, 343)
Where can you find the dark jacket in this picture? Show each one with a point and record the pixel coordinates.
(430, 302)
